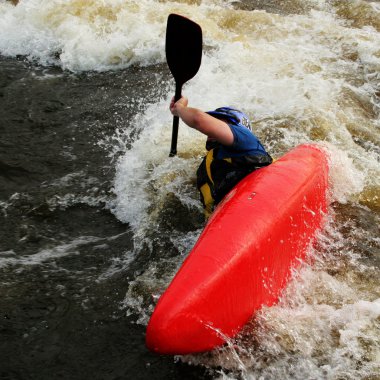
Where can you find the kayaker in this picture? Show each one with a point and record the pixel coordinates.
(233, 150)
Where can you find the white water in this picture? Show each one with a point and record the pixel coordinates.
(308, 77)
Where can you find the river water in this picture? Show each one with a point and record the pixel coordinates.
(96, 218)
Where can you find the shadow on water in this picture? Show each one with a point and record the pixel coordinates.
(60, 316)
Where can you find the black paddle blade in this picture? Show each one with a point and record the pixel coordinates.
(183, 48)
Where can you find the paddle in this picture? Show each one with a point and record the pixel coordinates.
(183, 54)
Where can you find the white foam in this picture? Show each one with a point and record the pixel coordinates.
(345, 179)
(90, 35)
(49, 254)
(277, 68)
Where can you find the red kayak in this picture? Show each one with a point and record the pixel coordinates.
(244, 256)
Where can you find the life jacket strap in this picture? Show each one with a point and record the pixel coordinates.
(207, 199)
(209, 159)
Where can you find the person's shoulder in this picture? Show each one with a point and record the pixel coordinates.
(242, 133)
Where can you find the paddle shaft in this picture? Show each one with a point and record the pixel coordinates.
(177, 96)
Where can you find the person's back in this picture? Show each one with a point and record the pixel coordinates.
(233, 150)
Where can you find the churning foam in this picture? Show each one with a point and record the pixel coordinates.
(289, 73)
(300, 79)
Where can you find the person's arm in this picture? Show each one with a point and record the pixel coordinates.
(201, 121)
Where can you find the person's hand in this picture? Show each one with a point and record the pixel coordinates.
(176, 106)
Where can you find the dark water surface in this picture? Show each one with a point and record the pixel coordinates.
(59, 317)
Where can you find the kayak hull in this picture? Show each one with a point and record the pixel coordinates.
(244, 256)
